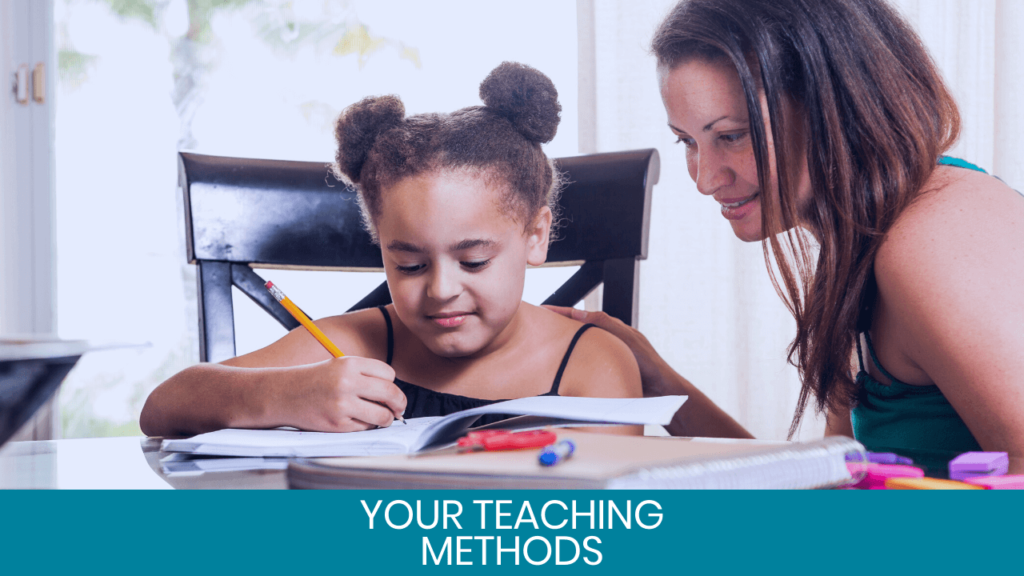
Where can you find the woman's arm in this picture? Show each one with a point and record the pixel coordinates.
(950, 277)
(699, 416)
(838, 423)
(292, 382)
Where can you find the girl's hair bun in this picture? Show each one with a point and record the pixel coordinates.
(526, 97)
(358, 128)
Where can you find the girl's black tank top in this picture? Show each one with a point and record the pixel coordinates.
(422, 401)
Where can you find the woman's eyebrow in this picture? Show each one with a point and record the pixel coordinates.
(712, 123)
(471, 243)
(706, 128)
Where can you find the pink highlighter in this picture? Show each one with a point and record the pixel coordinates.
(878, 473)
(1007, 482)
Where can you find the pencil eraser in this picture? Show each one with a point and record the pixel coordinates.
(1006, 482)
(971, 464)
(927, 484)
(877, 474)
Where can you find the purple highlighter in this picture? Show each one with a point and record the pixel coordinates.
(883, 458)
(888, 458)
(972, 464)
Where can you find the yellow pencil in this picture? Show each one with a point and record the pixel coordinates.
(305, 321)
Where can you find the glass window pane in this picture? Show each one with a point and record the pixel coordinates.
(141, 79)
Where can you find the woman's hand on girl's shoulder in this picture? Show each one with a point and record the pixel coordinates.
(949, 275)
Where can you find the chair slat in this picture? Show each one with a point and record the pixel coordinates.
(578, 285)
(254, 286)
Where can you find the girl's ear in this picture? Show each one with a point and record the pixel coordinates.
(537, 236)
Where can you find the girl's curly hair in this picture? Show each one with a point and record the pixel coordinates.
(378, 145)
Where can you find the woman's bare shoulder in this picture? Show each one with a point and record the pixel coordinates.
(953, 261)
(949, 273)
(962, 221)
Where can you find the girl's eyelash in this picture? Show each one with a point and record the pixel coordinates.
(476, 265)
(684, 141)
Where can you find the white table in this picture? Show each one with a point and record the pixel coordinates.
(112, 463)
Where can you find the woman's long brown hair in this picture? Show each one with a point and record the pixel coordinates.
(876, 117)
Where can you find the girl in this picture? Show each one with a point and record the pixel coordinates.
(459, 203)
(829, 117)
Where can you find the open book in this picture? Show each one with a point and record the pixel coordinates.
(419, 434)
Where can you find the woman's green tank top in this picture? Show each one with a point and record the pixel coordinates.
(913, 421)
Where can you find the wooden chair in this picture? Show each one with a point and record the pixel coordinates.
(242, 213)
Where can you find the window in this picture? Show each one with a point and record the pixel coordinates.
(140, 79)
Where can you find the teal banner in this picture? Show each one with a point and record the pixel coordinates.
(536, 532)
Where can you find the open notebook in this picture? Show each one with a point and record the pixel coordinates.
(419, 434)
(601, 461)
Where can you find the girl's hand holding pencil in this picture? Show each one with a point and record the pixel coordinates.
(266, 390)
(340, 395)
(357, 381)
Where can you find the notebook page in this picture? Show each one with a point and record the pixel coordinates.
(657, 410)
(395, 439)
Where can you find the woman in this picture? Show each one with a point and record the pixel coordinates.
(820, 125)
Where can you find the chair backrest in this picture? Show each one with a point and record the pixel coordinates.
(243, 213)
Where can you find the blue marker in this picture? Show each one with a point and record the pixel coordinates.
(557, 452)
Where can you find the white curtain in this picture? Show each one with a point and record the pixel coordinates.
(706, 301)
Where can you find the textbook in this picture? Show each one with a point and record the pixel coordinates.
(600, 461)
(420, 434)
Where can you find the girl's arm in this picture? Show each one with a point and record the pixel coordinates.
(699, 416)
(949, 277)
(292, 382)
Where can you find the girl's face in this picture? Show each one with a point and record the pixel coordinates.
(455, 261)
(707, 111)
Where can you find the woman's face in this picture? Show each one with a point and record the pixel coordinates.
(707, 111)
(455, 260)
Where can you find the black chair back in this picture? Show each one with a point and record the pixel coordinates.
(242, 214)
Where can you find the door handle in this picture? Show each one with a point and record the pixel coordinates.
(39, 83)
(34, 80)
